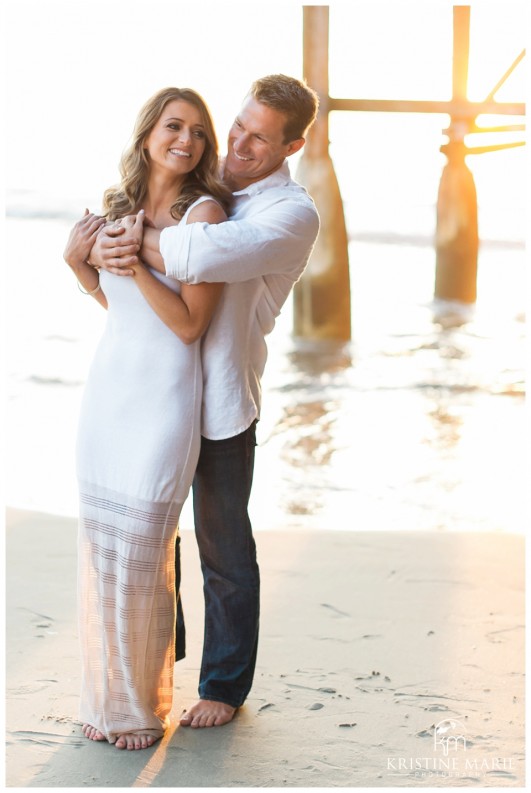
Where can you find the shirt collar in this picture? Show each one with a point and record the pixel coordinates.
(278, 178)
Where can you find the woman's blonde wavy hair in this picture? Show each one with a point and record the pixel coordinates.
(127, 197)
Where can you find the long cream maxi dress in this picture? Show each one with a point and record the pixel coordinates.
(137, 449)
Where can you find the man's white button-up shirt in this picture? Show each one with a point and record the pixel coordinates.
(259, 253)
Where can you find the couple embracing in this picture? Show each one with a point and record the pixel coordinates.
(193, 263)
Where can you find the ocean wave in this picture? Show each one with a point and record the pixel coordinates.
(423, 240)
(33, 205)
(55, 381)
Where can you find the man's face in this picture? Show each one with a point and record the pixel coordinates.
(255, 146)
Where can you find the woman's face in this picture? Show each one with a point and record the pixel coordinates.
(177, 141)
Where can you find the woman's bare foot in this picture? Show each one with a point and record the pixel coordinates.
(92, 733)
(208, 713)
(137, 740)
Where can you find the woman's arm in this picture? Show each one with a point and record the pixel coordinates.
(188, 314)
(76, 253)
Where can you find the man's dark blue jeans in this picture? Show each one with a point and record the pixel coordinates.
(231, 582)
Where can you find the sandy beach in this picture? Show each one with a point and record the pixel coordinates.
(375, 647)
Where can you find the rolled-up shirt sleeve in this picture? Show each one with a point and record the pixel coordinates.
(278, 239)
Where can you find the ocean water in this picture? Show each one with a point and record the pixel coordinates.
(417, 424)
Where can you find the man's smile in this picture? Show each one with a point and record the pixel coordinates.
(241, 157)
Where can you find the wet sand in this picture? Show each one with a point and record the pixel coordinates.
(369, 642)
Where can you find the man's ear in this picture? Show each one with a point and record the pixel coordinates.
(295, 145)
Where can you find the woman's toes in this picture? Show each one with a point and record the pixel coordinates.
(135, 741)
(92, 733)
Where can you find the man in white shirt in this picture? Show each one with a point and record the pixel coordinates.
(260, 252)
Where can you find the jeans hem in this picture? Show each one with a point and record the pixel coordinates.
(223, 701)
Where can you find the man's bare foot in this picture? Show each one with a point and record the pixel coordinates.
(137, 740)
(92, 733)
(207, 713)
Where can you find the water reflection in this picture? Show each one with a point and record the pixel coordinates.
(399, 429)
(447, 425)
(308, 425)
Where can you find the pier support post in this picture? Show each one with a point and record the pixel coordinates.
(322, 296)
(456, 238)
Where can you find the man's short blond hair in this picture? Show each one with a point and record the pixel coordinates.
(292, 97)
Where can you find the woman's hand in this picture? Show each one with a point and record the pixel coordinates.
(129, 222)
(82, 238)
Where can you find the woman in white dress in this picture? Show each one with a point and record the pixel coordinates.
(139, 430)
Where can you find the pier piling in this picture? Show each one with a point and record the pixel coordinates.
(322, 296)
(456, 237)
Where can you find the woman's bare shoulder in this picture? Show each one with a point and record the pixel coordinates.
(208, 211)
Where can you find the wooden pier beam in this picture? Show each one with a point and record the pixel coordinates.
(322, 296)
(456, 238)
